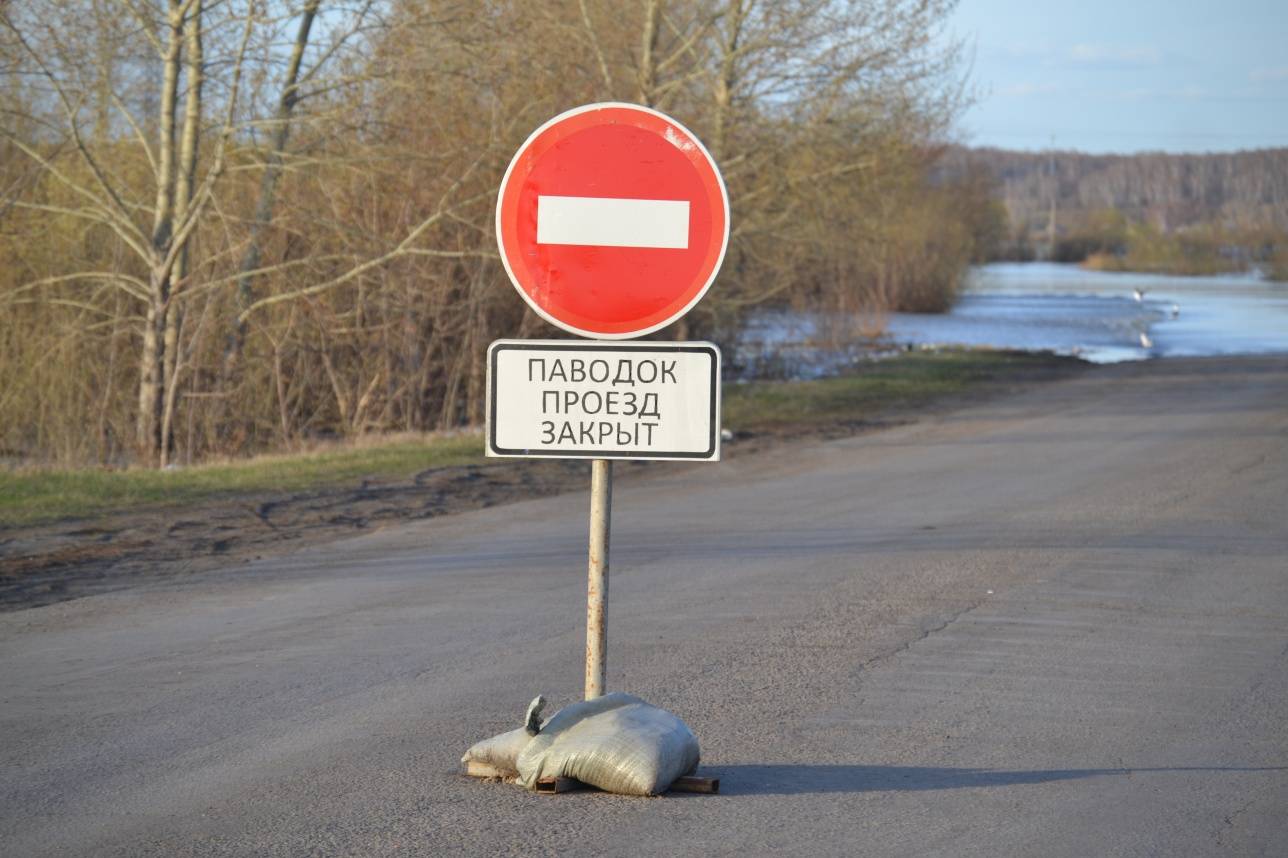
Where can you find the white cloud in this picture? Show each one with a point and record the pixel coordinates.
(1025, 51)
(1184, 93)
(1115, 55)
(1028, 88)
(1269, 74)
(1137, 94)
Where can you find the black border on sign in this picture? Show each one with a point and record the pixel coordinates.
(555, 345)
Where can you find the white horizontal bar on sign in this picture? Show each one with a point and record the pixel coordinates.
(612, 222)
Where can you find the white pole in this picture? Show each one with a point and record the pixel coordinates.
(601, 513)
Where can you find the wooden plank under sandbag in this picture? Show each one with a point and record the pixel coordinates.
(695, 783)
(686, 783)
(551, 786)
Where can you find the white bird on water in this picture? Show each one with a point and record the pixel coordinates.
(1176, 310)
(1138, 294)
(1145, 341)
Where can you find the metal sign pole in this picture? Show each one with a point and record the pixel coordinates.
(601, 513)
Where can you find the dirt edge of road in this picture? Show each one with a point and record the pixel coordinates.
(69, 559)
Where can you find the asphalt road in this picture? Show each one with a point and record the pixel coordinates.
(1051, 624)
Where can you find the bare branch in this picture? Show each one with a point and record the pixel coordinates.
(595, 46)
(402, 249)
(132, 286)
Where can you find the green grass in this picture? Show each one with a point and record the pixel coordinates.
(33, 496)
(905, 381)
(29, 497)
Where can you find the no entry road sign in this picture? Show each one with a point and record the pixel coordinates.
(612, 220)
(572, 399)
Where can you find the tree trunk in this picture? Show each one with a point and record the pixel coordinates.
(646, 82)
(184, 180)
(250, 260)
(147, 433)
(151, 368)
(109, 384)
(727, 81)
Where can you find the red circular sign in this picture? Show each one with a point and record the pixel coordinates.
(612, 220)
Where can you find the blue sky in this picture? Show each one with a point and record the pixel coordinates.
(1126, 76)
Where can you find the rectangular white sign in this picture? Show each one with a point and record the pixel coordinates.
(569, 399)
(612, 222)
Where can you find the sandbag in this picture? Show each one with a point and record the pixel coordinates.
(501, 751)
(616, 742)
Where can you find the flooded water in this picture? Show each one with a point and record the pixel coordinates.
(1095, 314)
(1102, 317)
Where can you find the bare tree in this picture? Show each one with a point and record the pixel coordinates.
(104, 196)
(264, 220)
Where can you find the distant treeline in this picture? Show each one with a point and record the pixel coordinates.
(1151, 211)
(236, 225)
